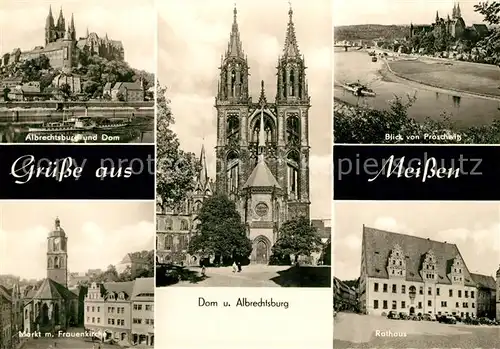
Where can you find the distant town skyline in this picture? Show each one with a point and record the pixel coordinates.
(400, 12)
(99, 234)
(473, 226)
(22, 25)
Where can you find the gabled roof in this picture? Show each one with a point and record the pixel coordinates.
(261, 176)
(49, 289)
(484, 281)
(481, 29)
(378, 245)
(144, 289)
(132, 86)
(117, 287)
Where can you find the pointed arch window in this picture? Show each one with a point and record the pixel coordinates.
(233, 168)
(292, 83)
(233, 83)
(293, 161)
(49, 263)
(269, 130)
(184, 225)
(197, 206)
(169, 242)
(61, 262)
(157, 243)
(233, 128)
(56, 263)
(293, 128)
(168, 224)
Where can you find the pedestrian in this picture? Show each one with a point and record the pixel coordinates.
(239, 267)
(234, 266)
(203, 271)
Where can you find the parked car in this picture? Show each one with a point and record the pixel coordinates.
(471, 321)
(167, 274)
(415, 318)
(448, 319)
(403, 316)
(428, 317)
(393, 315)
(485, 321)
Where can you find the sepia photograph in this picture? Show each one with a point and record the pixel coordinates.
(416, 274)
(244, 155)
(76, 274)
(416, 72)
(77, 72)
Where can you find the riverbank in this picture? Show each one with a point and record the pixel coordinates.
(478, 80)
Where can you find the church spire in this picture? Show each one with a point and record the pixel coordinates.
(454, 12)
(291, 47)
(203, 174)
(458, 11)
(262, 98)
(262, 135)
(437, 17)
(234, 48)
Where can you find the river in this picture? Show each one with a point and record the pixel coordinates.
(466, 111)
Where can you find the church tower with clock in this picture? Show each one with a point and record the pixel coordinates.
(57, 255)
(262, 147)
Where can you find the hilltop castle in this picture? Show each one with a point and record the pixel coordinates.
(454, 26)
(62, 47)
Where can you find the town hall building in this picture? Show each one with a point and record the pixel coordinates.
(414, 275)
(262, 153)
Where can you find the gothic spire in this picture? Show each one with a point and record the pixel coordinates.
(458, 11)
(50, 18)
(72, 23)
(437, 17)
(203, 174)
(87, 32)
(454, 12)
(234, 48)
(291, 47)
(262, 98)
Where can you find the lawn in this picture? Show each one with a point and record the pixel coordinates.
(462, 76)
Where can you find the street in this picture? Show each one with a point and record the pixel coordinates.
(368, 331)
(64, 343)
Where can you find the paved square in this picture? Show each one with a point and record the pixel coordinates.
(360, 331)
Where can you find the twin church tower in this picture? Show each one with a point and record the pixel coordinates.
(262, 147)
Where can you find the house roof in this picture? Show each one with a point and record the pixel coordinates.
(50, 289)
(481, 29)
(261, 176)
(144, 289)
(484, 281)
(117, 287)
(131, 86)
(378, 245)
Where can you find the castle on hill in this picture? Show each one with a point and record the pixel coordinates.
(63, 47)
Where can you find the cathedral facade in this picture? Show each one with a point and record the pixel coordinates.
(63, 47)
(262, 149)
(262, 155)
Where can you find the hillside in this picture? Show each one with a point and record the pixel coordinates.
(370, 32)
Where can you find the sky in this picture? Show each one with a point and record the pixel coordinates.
(193, 35)
(99, 233)
(351, 12)
(473, 226)
(22, 25)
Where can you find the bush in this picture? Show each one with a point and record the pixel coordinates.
(354, 124)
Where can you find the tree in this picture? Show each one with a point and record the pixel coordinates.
(297, 237)
(327, 252)
(65, 90)
(110, 275)
(221, 231)
(491, 43)
(176, 169)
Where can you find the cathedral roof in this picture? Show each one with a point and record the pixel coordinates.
(378, 244)
(49, 289)
(261, 176)
(484, 281)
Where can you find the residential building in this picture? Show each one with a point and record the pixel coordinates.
(344, 296)
(127, 92)
(414, 275)
(109, 311)
(6, 326)
(143, 312)
(486, 295)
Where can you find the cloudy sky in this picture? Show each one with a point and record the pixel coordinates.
(99, 233)
(22, 24)
(350, 12)
(193, 35)
(473, 226)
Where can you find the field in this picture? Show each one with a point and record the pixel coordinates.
(460, 76)
(365, 331)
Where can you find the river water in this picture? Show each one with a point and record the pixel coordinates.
(466, 111)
